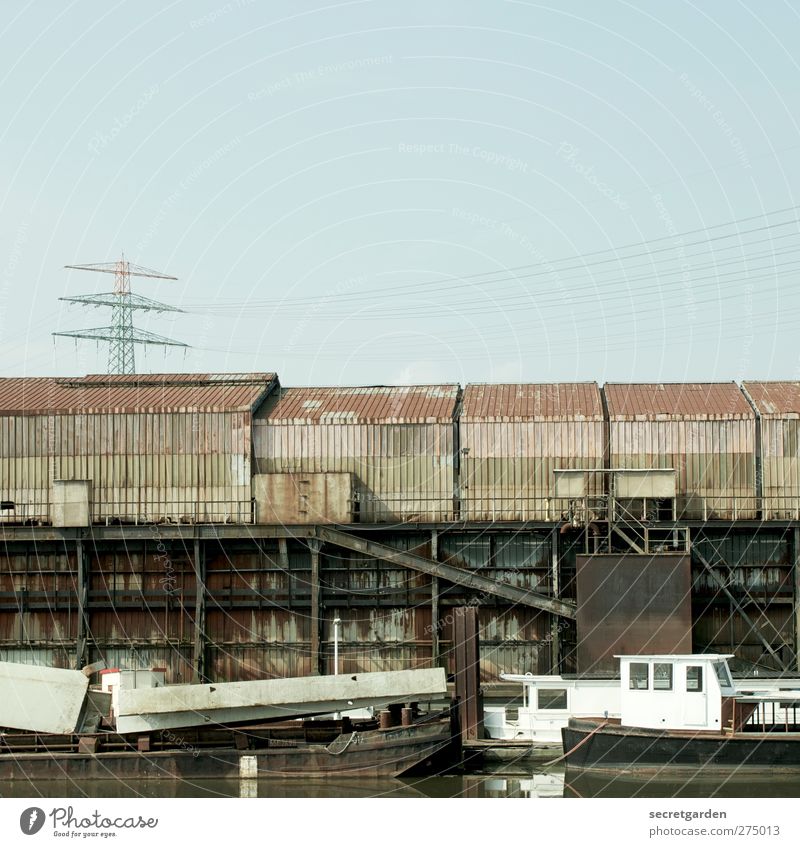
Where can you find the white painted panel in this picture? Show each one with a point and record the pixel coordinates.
(40, 699)
(140, 710)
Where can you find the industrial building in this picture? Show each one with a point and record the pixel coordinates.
(216, 525)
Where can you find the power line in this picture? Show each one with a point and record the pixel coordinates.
(448, 282)
(561, 298)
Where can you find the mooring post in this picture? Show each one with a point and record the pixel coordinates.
(83, 595)
(199, 647)
(435, 602)
(316, 656)
(466, 649)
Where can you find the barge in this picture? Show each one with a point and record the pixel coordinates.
(56, 727)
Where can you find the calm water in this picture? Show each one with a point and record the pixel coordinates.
(522, 779)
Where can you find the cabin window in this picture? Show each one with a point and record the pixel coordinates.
(694, 678)
(662, 676)
(552, 698)
(640, 676)
(722, 674)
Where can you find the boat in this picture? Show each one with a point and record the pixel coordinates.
(683, 713)
(549, 701)
(55, 727)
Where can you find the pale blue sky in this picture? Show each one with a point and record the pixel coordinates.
(319, 175)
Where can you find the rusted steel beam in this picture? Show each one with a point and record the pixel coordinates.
(435, 602)
(627, 539)
(739, 608)
(467, 666)
(555, 535)
(83, 593)
(458, 576)
(316, 658)
(199, 646)
(796, 582)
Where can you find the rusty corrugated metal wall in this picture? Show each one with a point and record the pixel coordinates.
(144, 467)
(512, 438)
(399, 443)
(164, 447)
(778, 408)
(39, 620)
(706, 432)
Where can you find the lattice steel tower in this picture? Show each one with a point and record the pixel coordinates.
(121, 336)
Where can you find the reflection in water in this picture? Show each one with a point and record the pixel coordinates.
(532, 780)
(702, 784)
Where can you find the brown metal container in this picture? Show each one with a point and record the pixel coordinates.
(630, 604)
(512, 439)
(706, 432)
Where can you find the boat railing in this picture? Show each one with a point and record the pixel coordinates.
(771, 711)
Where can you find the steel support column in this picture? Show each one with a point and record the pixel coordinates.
(555, 622)
(796, 582)
(83, 597)
(199, 673)
(435, 602)
(316, 621)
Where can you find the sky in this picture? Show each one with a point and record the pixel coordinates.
(374, 192)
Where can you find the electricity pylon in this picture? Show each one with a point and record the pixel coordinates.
(122, 335)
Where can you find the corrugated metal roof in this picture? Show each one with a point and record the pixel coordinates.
(700, 400)
(532, 401)
(98, 393)
(368, 404)
(773, 399)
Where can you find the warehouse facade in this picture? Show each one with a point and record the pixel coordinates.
(216, 524)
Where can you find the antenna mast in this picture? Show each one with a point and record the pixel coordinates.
(121, 336)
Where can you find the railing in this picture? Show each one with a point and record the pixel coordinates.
(35, 506)
(39, 510)
(774, 711)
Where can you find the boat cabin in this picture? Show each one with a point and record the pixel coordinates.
(693, 692)
(548, 702)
